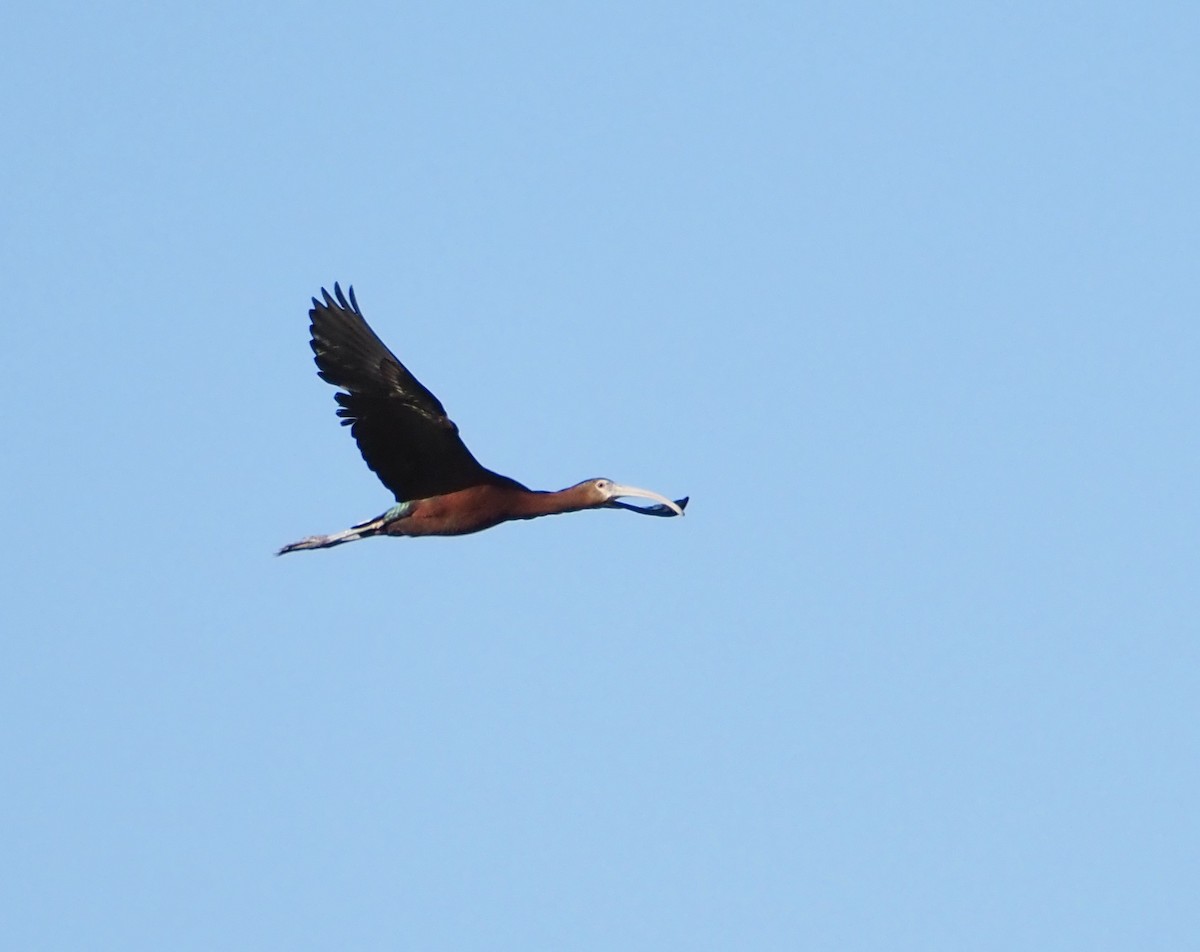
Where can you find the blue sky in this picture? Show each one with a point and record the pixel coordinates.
(903, 295)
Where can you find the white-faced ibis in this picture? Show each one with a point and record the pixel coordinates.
(408, 441)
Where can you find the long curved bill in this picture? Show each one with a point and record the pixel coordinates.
(664, 508)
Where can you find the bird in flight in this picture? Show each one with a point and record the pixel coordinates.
(408, 441)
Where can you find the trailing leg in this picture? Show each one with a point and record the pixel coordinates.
(364, 530)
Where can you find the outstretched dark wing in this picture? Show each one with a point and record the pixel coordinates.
(401, 428)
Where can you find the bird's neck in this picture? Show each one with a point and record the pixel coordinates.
(536, 503)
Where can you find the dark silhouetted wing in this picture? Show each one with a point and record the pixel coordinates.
(401, 428)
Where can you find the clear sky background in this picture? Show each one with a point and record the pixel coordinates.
(904, 296)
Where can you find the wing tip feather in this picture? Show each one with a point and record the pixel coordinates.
(346, 301)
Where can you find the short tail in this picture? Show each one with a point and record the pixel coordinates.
(363, 530)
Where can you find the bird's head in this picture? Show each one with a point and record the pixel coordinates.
(603, 492)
